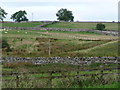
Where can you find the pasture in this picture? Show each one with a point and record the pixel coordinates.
(83, 25)
(43, 43)
(36, 43)
(78, 25)
(23, 24)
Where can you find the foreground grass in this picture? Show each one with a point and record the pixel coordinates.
(113, 85)
(29, 67)
(35, 81)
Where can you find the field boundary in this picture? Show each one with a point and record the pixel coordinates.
(67, 60)
(51, 71)
(19, 77)
(106, 32)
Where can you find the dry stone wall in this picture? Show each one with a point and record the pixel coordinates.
(106, 32)
(42, 27)
(67, 60)
(114, 33)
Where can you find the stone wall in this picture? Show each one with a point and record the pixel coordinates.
(42, 27)
(46, 23)
(67, 60)
(106, 32)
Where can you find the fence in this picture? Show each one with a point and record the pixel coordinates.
(77, 75)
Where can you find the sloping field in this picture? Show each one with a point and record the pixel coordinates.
(36, 43)
(23, 24)
(31, 43)
(106, 49)
(82, 25)
(56, 34)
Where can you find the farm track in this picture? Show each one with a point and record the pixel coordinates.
(91, 48)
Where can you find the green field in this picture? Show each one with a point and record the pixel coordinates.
(42, 43)
(80, 25)
(83, 25)
(24, 24)
(36, 43)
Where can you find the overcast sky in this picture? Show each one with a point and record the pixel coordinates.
(83, 10)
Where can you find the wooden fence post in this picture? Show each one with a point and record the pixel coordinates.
(17, 80)
(78, 77)
(101, 76)
(50, 80)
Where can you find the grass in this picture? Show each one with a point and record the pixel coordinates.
(34, 79)
(24, 24)
(56, 47)
(66, 43)
(82, 25)
(10, 67)
(73, 44)
(113, 85)
(107, 50)
(100, 51)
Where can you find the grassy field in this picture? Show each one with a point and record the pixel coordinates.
(83, 25)
(24, 24)
(36, 43)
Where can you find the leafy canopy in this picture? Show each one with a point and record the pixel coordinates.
(65, 15)
(19, 16)
(2, 14)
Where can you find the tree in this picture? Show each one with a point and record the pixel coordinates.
(2, 14)
(19, 16)
(65, 15)
(100, 26)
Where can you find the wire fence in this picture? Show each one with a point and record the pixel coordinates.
(103, 76)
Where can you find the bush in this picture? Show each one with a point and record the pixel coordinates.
(6, 46)
(100, 26)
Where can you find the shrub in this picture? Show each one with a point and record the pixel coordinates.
(6, 46)
(100, 26)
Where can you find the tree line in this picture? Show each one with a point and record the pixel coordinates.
(62, 14)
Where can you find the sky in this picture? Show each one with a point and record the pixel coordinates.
(45, 10)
